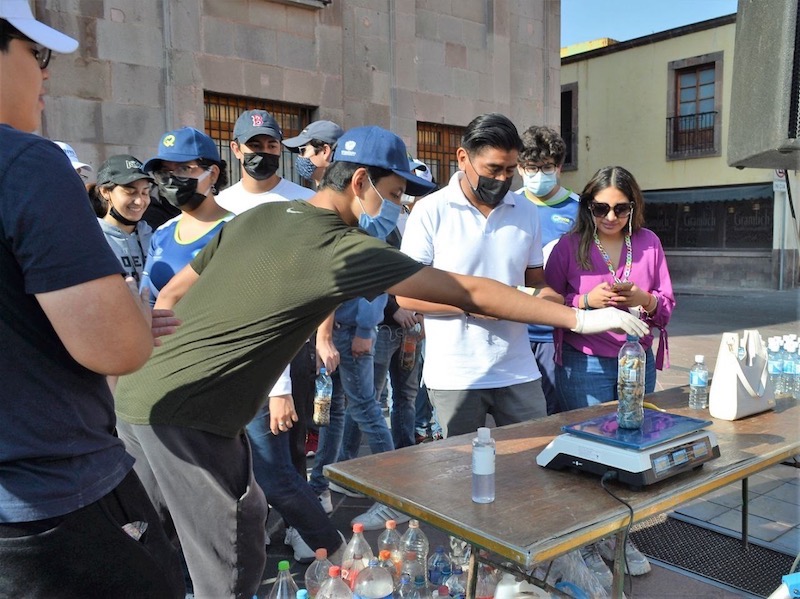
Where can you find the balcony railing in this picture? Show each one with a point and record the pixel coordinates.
(691, 135)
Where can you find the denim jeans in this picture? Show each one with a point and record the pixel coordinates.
(285, 489)
(544, 354)
(584, 380)
(363, 412)
(405, 383)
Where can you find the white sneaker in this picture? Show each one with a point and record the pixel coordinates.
(637, 563)
(337, 489)
(325, 501)
(593, 560)
(375, 517)
(302, 552)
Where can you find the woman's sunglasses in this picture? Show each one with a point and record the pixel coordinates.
(600, 210)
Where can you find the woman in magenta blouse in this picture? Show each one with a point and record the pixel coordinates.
(608, 259)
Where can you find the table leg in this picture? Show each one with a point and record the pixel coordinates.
(745, 510)
(618, 587)
(472, 577)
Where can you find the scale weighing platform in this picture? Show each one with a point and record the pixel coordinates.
(666, 445)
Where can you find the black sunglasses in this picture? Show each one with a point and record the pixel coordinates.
(600, 210)
(41, 53)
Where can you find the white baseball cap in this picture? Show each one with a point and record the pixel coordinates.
(73, 157)
(18, 13)
(420, 169)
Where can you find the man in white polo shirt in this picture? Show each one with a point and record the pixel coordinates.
(477, 366)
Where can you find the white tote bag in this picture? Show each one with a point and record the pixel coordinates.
(740, 386)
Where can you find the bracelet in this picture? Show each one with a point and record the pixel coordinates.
(654, 302)
(586, 305)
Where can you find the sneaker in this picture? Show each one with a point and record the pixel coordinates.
(302, 552)
(325, 501)
(593, 560)
(312, 442)
(420, 438)
(375, 517)
(637, 563)
(337, 489)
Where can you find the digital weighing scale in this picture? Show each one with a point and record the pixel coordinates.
(666, 445)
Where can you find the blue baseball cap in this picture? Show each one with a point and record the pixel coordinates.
(183, 145)
(255, 122)
(375, 146)
(326, 131)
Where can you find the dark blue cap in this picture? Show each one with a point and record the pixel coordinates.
(375, 146)
(183, 145)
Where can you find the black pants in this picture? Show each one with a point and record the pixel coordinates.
(87, 553)
(303, 372)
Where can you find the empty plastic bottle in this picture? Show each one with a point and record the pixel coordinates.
(408, 350)
(421, 590)
(411, 565)
(285, 586)
(698, 384)
(322, 398)
(790, 372)
(486, 583)
(775, 364)
(373, 582)
(334, 587)
(356, 555)
(385, 561)
(414, 540)
(317, 572)
(457, 583)
(436, 562)
(405, 587)
(302, 594)
(483, 453)
(389, 540)
(630, 384)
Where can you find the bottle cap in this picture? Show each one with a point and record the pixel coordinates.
(484, 434)
(391, 524)
(632, 338)
(335, 572)
(302, 594)
(358, 527)
(699, 358)
(283, 565)
(384, 554)
(322, 370)
(372, 563)
(321, 553)
(413, 523)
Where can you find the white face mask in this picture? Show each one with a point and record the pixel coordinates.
(540, 184)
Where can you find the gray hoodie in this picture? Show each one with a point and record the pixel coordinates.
(130, 248)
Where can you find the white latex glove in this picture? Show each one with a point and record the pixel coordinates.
(591, 322)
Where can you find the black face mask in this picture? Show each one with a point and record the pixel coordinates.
(121, 219)
(182, 193)
(490, 191)
(260, 165)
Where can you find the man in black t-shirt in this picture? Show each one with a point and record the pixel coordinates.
(67, 318)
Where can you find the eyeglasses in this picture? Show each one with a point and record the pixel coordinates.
(532, 169)
(600, 210)
(40, 53)
(181, 173)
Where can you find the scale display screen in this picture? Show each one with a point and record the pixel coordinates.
(680, 457)
(658, 427)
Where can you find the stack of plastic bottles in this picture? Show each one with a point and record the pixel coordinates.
(783, 365)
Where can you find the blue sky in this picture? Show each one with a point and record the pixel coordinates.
(584, 20)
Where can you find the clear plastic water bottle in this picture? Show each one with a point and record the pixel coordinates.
(317, 572)
(322, 398)
(630, 384)
(356, 555)
(797, 375)
(385, 561)
(302, 594)
(405, 587)
(411, 565)
(487, 583)
(435, 564)
(285, 586)
(775, 364)
(421, 590)
(414, 540)
(790, 372)
(389, 540)
(483, 453)
(408, 350)
(447, 572)
(698, 384)
(334, 587)
(457, 584)
(373, 582)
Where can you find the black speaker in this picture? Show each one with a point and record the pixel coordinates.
(764, 125)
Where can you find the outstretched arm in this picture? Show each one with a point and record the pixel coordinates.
(177, 287)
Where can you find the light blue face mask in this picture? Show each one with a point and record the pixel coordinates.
(304, 167)
(540, 184)
(384, 222)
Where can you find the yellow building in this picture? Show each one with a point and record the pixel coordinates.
(659, 106)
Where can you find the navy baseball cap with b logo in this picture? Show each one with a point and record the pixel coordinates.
(375, 146)
(256, 122)
(183, 145)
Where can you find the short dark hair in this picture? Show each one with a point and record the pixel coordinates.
(319, 145)
(222, 180)
(339, 175)
(492, 130)
(8, 31)
(541, 144)
(96, 199)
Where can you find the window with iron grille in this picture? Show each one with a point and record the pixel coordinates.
(569, 124)
(436, 147)
(221, 112)
(694, 122)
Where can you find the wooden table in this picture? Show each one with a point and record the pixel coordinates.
(540, 514)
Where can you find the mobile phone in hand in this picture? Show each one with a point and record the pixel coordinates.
(622, 286)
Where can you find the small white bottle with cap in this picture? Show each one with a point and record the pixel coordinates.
(483, 452)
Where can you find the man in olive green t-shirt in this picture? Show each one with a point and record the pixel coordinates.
(248, 302)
